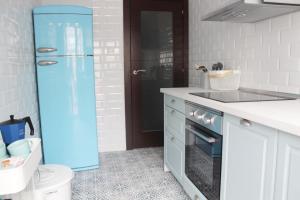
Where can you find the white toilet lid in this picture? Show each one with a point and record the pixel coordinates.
(52, 176)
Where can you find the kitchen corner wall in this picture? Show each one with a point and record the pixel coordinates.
(267, 52)
(109, 70)
(17, 68)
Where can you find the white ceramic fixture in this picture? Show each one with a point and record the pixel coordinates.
(16, 179)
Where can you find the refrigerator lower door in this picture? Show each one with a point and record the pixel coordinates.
(67, 110)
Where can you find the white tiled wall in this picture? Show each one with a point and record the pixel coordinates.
(17, 69)
(267, 52)
(109, 70)
(88, 3)
(109, 67)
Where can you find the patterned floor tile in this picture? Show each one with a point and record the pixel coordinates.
(128, 175)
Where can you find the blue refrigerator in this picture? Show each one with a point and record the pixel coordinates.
(66, 87)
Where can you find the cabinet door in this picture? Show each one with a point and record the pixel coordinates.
(174, 156)
(248, 167)
(288, 168)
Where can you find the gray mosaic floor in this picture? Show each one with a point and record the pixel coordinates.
(128, 175)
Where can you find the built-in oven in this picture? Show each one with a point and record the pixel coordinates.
(203, 149)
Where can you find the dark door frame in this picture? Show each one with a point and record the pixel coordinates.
(127, 65)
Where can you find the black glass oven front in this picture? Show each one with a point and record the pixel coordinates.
(203, 158)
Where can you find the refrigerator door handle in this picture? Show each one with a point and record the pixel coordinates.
(46, 49)
(47, 62)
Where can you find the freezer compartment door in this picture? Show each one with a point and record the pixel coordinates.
(63, 34)
(68, 110)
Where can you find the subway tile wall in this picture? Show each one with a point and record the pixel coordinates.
(267, 52)
(109, 70)
(109, 73)
(17, 68)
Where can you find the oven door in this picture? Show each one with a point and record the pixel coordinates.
(203, 156)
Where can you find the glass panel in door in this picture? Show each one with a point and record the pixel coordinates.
(156, 58)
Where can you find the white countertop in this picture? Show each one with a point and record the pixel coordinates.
(281, 115)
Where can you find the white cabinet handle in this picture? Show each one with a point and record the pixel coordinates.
(196, 197)
(173, 101)
(245, 122)
(172, 138)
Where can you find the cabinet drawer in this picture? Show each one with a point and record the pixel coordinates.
(175, 156)
(175, 123)
(175, 103)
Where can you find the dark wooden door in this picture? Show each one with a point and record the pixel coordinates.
(157, 59)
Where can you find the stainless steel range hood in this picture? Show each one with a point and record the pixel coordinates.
(249, 11)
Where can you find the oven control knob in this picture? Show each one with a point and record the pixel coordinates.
(198, 115)
(192, 113)
(207, 120)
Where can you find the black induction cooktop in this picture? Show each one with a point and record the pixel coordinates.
(245, 96)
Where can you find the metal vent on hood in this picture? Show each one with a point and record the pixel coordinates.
(245, 11)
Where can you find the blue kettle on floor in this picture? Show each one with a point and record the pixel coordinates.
(14, 129)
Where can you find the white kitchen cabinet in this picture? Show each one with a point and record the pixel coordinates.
(174, 156)
(288, 168)
(174, 136)
(249, 160)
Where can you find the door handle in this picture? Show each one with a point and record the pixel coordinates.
(136, 72)
(47, 62)
(210, 140)
(46, 49)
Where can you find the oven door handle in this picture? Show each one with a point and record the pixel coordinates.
(203, 137)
